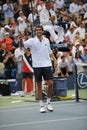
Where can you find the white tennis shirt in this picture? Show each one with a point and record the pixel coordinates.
(40, 51)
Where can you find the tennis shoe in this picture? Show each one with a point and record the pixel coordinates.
(42, 109)
(49, 107)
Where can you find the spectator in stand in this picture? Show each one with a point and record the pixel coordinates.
(81, 8)
(84, 55)
(72, 20)
(70, 33)
(18, 55)
(57, 55)
(85, 6)
(13, 28)
(77, 37)
(33, 17)
(77, 48)
(15, 42)
(33, 4)
(63, 67)
(17, 9)
(27, 70)
(8, 10)
(81, 30)
(27, 34)
(10, 65)
(21, 22)
(74, 7)
(59, 4)
(40, 5)
(46, 21)
(77, 58)
(7, 28)
(25, 7)
(64, 20)
(70, 61)
(8, 41)
(53, 14)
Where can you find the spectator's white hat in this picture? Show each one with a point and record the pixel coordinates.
(77, 43)
(7, 26)
(7, 33)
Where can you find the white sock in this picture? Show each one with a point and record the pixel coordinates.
(41, 103)
(48, 100)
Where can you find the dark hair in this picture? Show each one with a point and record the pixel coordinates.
(39, 26)
(62, 57)
(77, 54)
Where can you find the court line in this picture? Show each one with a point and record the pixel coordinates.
(42, 122)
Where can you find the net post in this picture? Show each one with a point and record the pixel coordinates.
(75, 83)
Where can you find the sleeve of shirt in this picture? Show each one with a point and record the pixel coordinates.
(28, 43)
(5, 7)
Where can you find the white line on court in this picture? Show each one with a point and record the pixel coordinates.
(42, 122)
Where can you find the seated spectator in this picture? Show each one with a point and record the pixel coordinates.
(10, 66)
(65, 20)
(8, 41)
(77, 58)
(70, 35)
(27, 32)
(77, 48)
(15, 42)
(63, 69)
(81, 30)
(84, 55)
(7, 28)
(77, 38)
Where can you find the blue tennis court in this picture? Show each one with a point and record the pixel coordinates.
(67, 115)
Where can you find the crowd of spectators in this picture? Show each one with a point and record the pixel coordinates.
(61, 25)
